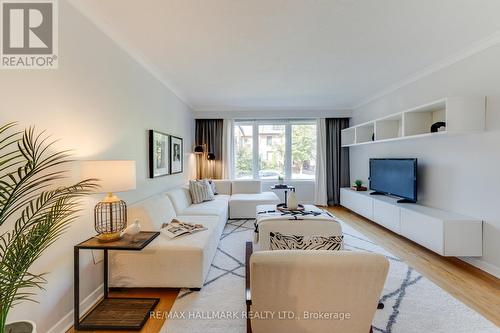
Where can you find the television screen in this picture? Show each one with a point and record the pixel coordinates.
(396, 177)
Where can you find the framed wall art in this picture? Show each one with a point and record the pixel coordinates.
(176, 155)
(159, 152)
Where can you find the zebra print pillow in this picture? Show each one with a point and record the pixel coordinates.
(279, 241)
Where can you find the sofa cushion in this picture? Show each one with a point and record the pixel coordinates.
(152, 212)
(243, 206)
(222, 186)
(246, 187)
(215, 207)
(256, 197)
(180, 262)
(223, 197)
(181, 199)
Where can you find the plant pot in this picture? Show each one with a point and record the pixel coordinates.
(25, 326)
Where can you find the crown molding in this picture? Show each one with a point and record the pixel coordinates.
(133, 53)
(281, 113)
(268, 109)
(473, 49)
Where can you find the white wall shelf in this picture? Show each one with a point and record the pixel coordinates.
(461, 115)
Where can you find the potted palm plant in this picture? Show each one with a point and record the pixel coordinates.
(35, 209)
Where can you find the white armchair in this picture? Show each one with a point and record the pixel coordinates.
(330, 291)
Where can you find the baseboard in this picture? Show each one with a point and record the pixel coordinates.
(482, 265)
(66, 322)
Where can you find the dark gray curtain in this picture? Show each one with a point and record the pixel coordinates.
(337, 160)
(209, 132)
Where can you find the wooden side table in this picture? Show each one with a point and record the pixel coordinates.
(113, 313)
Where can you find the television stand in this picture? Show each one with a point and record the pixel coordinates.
(398, 201)
(446, 233)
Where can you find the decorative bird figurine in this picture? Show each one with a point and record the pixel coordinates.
(133, 230)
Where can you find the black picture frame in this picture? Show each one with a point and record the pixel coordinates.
(159, 154)
(176, 155)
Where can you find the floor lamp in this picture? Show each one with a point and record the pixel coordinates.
(200, 151)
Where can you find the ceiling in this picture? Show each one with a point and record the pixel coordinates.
(290, 54)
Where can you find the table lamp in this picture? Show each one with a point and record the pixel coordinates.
(110, 214)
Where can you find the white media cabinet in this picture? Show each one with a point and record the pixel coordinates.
(445, 233)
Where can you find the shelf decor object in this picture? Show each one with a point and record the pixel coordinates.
(459, 114)
(110, 214)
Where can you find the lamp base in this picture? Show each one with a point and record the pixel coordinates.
(109, 237)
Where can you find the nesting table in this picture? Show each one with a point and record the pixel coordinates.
(285, 188)
(113, 313)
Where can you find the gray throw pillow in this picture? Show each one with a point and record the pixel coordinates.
(200, 191)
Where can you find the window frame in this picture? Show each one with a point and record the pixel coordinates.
(255, 144)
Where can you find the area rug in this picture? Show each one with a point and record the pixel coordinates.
(412, 302)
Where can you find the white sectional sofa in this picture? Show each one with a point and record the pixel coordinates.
(246, 195)
(183, 262)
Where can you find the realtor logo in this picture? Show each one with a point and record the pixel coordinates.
(29, 34)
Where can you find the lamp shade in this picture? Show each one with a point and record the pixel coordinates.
(199, 149)
(113, 176)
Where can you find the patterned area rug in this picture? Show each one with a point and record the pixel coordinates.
(412, 302)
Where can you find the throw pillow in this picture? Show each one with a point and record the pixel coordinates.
(210, 193)
(200, 191)
(279, 241)
(212, 184)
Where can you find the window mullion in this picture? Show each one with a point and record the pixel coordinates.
(255, 153)
(288, 151)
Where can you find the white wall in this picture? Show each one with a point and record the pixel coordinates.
(100, 103)
(457, 173)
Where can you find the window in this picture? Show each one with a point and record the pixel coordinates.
(243, 144)
(269, 149)
(271, 152)
(303, 151)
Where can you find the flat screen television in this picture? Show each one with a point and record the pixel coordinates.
(394, 176)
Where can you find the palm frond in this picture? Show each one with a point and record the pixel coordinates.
(42, 212)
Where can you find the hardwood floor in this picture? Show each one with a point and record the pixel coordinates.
(153, 325)
(477, 289)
